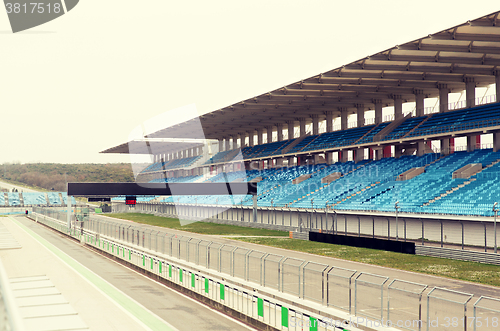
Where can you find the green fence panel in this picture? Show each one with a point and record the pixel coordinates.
(206, 285)
(180, 275)
(160, 266)
(170, 270)
(193, 280)
(260, 307)
(222, 291)
(284, 317)
(313, 324)
(152, 263)
(143, 260)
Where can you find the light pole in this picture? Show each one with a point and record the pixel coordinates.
(397, 229)
(495, 210)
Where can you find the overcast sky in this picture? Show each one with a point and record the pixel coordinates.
(81, 83)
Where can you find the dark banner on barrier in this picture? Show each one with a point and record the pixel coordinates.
(374, 243)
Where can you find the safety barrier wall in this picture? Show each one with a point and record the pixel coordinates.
(327, 286)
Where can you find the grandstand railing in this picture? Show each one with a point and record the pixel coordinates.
(452, 128)
(461, 104)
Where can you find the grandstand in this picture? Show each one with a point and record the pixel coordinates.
(286, 139)
(31, 199)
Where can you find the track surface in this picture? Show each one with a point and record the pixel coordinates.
(177, 310)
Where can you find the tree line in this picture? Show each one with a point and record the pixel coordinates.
(54, 176)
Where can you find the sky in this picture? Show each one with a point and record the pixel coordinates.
(82, 83)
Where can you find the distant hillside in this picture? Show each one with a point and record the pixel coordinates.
(55, 176)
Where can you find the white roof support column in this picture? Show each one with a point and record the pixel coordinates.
(242, 137)
(302, 126)
(443, 107)
(279, 127)
(378, 111)
(226, 141)
(497, 84)
(496, 141)
(291, 129)
(269, 134)
(398, 106)
(251, 141)
(343, 118)
(260, 137)
(360, 110)
(315, 121)
(470, 91)
(443, 97)
(234, 142)
(329, 121)
(221, 145)
(419, 102)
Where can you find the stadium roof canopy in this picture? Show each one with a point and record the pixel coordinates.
(446, 59)
(157, 145)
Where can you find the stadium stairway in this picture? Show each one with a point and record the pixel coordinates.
(375, 129)
(418, 125)
(326, 185)
(294, 143)
(472, 179)
(390, 128)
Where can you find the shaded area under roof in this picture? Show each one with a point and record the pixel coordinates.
(469, 52)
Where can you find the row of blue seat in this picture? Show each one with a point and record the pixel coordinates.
(373, 185)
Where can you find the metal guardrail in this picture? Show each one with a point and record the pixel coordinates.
(10, 318)
(261, 307)
(458, 254)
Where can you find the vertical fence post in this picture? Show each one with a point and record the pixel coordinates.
(373, 227)
(404, 221)
(441, 232)
(463, 237)
(422, 231)
(485, 240)
(69, 213)
(388, 229)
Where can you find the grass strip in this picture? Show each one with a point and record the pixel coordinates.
(463, 270)
(198, 227)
